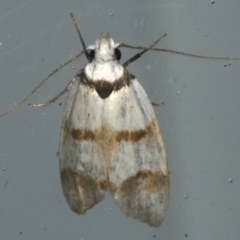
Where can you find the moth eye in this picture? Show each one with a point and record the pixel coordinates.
(91, 54)
(117, 53)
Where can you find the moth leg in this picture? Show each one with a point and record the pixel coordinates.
(55, 98)
(157, 104)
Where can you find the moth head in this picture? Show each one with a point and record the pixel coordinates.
(104, 49)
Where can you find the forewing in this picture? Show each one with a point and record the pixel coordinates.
(138, 173)
(82, 164)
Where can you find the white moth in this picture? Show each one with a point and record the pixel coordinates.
(110, 139)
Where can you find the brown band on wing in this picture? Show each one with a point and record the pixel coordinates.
(83, 134)
(148, 180)
(105, 88)
(133, 136)
(81, 192)
(126, 135)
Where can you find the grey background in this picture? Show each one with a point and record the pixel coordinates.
(199, 121)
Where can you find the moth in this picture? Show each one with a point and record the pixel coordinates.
(110, 137)
(110, 140)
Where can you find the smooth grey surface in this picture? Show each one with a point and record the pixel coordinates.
(199, 121)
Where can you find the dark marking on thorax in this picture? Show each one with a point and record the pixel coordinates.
(105, 88)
